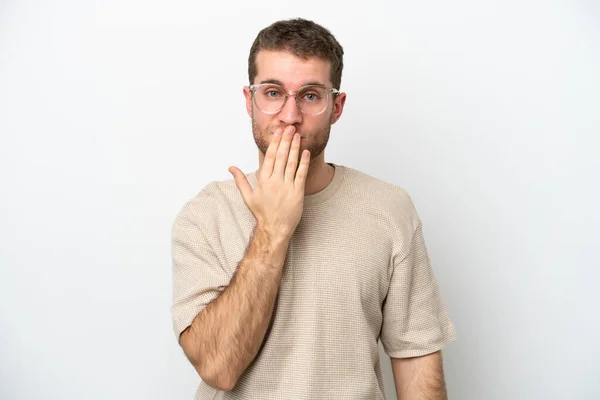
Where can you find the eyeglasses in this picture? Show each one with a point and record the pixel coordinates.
(311, 99)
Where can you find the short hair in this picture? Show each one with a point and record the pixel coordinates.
(304, 39)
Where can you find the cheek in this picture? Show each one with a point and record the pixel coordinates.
(259, 118)
(264, 122)
(319, 123)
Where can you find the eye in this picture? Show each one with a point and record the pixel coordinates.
(271, 92)
(311, 96)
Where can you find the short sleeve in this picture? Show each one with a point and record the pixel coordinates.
(198, 275)
(415, 320)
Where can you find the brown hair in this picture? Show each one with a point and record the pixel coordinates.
(302, 38)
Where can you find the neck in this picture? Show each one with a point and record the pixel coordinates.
(320, 174)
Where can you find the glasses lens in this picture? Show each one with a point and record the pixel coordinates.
(269, 99)
(312, 99)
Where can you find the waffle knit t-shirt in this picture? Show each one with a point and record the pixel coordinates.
(357, 270)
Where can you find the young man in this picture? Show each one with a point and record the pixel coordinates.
(285, 279)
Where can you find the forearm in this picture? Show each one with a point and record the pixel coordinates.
(420, 378)
(226, 336)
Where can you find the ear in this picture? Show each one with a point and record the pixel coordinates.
(338, 107)
(248, 96)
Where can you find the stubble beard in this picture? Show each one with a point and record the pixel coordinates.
(317, 140)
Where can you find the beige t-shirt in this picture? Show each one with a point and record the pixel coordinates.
(357, 270)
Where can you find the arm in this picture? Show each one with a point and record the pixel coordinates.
(416, 324)
(226, 336)
(420, 378)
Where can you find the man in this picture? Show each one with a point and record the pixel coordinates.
(285, 279)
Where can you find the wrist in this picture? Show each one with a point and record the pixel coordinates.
(272, 236)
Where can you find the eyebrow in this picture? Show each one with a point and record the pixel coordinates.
(278, 82)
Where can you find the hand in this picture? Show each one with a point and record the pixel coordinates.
(278, 200)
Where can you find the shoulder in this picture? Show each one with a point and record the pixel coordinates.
(389, 198)
(213, 202)
(201, 207)
(390, 205)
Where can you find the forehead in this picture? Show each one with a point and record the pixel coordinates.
(292, 71)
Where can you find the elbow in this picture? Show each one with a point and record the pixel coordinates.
(217, 374)
(219, 380)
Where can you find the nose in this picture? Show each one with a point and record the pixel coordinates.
(290, 113)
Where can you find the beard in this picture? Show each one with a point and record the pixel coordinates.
(314, 141)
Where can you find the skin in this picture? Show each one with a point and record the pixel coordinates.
(295, 72)
(420, 378)
(225, 337)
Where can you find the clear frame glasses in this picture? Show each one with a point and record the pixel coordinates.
(311, 99)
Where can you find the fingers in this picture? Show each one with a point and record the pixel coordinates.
(283, 151)
(302, 172)
(241, 182)
(292, 162)
(266, 170)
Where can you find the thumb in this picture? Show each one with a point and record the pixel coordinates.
(241, 182)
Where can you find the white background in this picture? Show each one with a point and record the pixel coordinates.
(114, 113)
